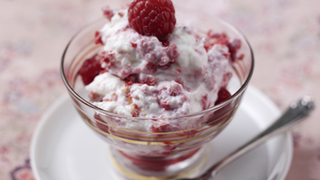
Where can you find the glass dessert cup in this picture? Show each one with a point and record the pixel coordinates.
(140, 154)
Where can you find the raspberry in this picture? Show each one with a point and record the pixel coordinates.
(152, 18)
(223, 95)
(89, 70)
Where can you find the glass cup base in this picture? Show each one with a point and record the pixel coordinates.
(144, 168)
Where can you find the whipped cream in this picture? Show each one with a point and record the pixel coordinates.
(171, 80)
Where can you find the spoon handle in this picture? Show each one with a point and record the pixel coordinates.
(294, 114)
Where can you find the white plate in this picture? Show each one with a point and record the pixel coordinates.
(64, 148)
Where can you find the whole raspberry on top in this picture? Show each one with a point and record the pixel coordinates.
(152, 18)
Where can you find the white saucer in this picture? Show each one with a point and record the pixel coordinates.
(64, 148)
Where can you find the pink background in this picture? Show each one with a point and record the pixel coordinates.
(284, 34)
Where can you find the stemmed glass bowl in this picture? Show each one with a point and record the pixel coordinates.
(138, 153)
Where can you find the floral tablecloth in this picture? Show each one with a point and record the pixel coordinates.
(284, 34)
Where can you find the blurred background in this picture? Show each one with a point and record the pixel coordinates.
(284, 34)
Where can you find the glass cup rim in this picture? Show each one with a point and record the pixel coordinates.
(199, 113)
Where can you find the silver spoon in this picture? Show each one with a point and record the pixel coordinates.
(296, 112)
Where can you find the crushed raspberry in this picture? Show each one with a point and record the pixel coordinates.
(215, 38)
(134, 78)
(166, 66)
(215, 35)
(121, 14)
(136, 106)
(113, 97)
(152, 18)
(150, 68)
(103, 71)
(240, 57)
(131, 79)
(129, 83)
(222, 38)
(107, 59)
(204, 102)
(134, 113)
(147, 47)
(157, 127)
(165, 104)
(97, 38)
(100, 123)
(150, 81)
(166, 93)
(234, 46)
(158, 163)
(129, 98)
(163, 59)
(94, 97)
(89, 70)
(176, 90)
(223, 95)
(134, 45)
(136, 110)
(207, 45)
(180, 82)
(172, 54)
(107, 12)
(222, 41)
(226, 78)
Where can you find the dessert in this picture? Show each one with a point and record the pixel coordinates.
(148, 66)
(155, 89)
